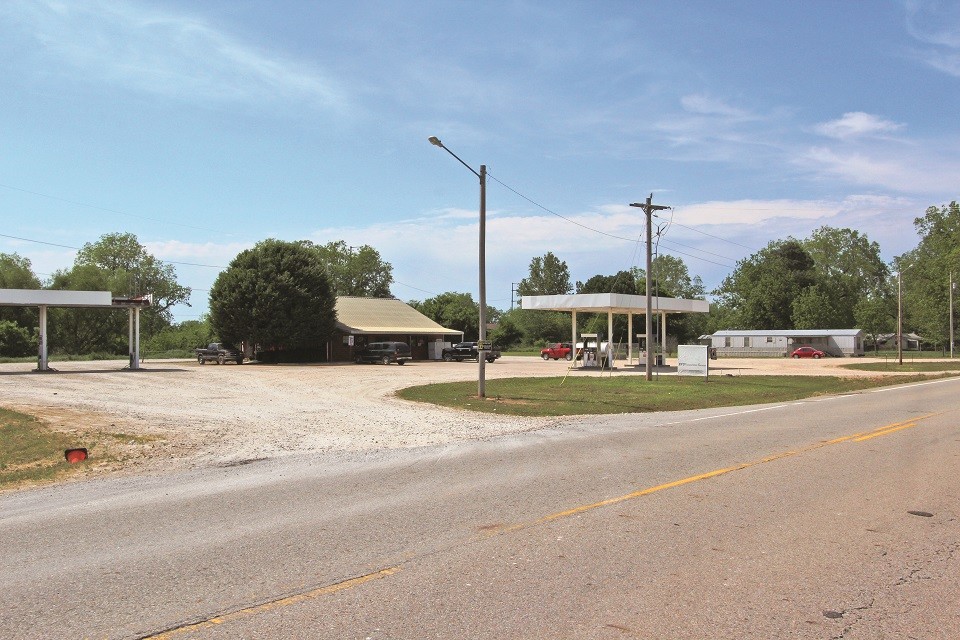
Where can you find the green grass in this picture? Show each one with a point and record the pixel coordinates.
(631, 394)
(32, 453)
(908, 366)
(29, 451)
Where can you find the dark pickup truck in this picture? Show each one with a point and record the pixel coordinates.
(468, 351)
(220, 353)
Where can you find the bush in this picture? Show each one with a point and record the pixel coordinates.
(16, 341)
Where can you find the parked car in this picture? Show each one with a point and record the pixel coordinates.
(219, 352)
(383, 352)
(469, 351)
(557, 351)
(807, 352)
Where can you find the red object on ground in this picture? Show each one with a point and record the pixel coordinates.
(75, 455)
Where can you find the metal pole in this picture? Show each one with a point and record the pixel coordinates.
(481, 354)
(899, 317)
(951, 314)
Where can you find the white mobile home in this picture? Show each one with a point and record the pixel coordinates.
(780, 343)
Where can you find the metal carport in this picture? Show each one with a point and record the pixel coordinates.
(44, 298)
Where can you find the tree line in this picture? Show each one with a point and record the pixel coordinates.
(283, 293)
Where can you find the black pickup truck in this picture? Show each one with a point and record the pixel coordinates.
(220, 353)
(468, 351)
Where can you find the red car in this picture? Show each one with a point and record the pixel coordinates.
(557, 351)
(807, 352)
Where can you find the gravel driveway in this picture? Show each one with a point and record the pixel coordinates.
(212, 413)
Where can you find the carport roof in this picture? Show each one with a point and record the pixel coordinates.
(59, 298)
(612, 302)
(359, 316)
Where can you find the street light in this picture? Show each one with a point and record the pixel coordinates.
(482, 339)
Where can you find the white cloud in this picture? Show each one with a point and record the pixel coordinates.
(887, 168)
(196, 252)
(706, 105)
(937, 26)
(856, 124)
(753, 212)
(176, 56)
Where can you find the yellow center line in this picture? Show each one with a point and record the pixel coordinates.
(271, 605)
(856, 437)
(383, 573)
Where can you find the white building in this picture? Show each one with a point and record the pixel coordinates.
(779, 343)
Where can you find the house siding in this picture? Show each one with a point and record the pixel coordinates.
(778, 344)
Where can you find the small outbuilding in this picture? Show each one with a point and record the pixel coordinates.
(361, 321)
(780, 343)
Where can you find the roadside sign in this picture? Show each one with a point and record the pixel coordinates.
(693, 360)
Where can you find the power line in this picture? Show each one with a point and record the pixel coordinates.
(98, 208)
(710, 235)
(631, 240)
(66, 246)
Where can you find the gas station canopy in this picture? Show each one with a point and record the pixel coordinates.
(612, 303)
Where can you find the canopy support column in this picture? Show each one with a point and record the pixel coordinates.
(573, 336)
(42, 363)
(663, 335)
(609, 339)
(134, 339)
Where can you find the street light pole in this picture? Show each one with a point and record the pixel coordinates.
(951, 313)
(648, 209)
(482, 339)
(900, 316)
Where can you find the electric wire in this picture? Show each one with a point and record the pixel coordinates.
(631, 240)
(66, 246)
(98, 208)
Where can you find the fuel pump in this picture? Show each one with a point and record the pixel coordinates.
(590, 349)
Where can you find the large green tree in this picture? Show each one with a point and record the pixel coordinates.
(118, 263)
(356, 271)
(275, 295)
(16, 272)
(849, 269)
(134, 271)
(926, 270)
(759, 294)
(548, 275)
(452, 310)
(672, 279)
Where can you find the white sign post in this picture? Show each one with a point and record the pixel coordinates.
(693, 360)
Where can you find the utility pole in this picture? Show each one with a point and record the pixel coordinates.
(648, 209)
(951, 313)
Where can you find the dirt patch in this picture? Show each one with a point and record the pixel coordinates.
(176, 413)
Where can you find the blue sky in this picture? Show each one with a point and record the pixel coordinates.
(205, 127)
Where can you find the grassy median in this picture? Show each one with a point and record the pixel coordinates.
(908, 366)
(632, 394)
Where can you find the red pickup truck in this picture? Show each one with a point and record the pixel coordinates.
(557, 351)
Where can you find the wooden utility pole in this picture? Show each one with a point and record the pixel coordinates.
(648, 209)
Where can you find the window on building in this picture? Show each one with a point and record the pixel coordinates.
(746, 341)
(726, 341)
(769, 339)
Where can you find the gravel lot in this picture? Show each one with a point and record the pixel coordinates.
(229, 414)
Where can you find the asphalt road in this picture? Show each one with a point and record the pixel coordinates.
(760, 522)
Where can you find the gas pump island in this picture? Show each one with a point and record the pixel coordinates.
(589, 350)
